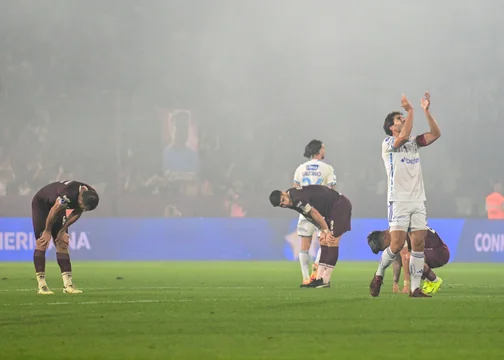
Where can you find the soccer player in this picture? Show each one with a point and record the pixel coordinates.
(330, 212)
(406, 194)
(436, 253)
(312, 172)
(49, 207)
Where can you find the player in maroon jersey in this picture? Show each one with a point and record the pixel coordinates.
(329, 211)
(436, 254)
(49, 218)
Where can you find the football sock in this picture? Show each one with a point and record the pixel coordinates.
(39, 260)
(64, 262)
(385, 261)
(416, 268)
(317, 259)
(304, 261)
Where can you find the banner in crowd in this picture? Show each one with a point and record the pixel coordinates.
(233, 239)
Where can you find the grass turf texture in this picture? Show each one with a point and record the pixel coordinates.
(246, 310)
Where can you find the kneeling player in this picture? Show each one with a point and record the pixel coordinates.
(329, 211)
(436, 253)
(49, 207)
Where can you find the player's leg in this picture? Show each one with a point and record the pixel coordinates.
(39, 217)
(399, 220)
(315, 264)
(417, 236)
(340, 222)
(434, 258)
(305, 230)
(63, 257)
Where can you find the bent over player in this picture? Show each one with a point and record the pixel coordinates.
(436, 254)
(49, 207)
(329, 211)
(311, 172)
(406, 194)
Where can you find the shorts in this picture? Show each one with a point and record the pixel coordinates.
(437, 257)
(407, 216)
(340, 220)
(305, 228)
(39, 218)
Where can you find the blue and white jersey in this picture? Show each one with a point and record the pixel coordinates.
(315, 172)
(404, 171)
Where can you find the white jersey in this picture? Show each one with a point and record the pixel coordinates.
(315, 172)
(404, 171)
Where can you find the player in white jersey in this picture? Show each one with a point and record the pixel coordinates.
(312, 172)
(406, 194)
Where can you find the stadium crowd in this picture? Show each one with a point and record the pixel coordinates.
(97, 106)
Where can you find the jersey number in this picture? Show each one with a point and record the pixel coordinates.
(307, 181)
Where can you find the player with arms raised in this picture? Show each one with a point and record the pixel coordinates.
(406, 194)
(49, 207)
(312, 172)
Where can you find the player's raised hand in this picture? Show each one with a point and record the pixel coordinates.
(425, 101)
(405, 103)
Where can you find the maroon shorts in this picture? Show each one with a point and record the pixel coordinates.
(40, 212)
(339, 221)
(437, 257)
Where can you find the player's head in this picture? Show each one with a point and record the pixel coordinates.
(280, 198)
(315, 150)
(88, 200)
(378, 240)
(393, 123)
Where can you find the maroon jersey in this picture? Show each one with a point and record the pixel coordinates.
(432, 241)
(65, 192)
(319, 197)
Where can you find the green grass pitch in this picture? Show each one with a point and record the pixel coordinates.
(246, 310)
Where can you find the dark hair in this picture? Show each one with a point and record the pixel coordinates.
(389, 121)
(312, 149)
(275, 197)
(90, 199)
(374, 240)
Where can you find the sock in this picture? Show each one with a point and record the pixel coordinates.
(430, 275)
(64, 262)
(324, 252)
(327, 273)
(317, 259)
(416, 268)
(41, 279)
(304, 261)
(39, 261)
(386, 259)
(67, 278)
(332, 259)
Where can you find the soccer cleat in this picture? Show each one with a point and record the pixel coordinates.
(434, 286)
(44, 290)
(314, 272)
(375, 286)
(70, 289)
(305, 284)
(323, 285)
(426, 286)
(418, 294)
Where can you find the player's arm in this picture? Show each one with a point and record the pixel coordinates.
(405, 133)
(74, 216)
(319, 219)
(331, 178)
(397, 269)
(434, 132)
(58, 207)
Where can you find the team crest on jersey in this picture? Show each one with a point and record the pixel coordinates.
(64, 200)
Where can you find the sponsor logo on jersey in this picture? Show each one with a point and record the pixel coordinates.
(410, 161)
(312, 167)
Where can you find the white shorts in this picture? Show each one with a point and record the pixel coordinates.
(407, 216)
(305, 228)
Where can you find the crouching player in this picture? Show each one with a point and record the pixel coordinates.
(436, 253)
(49, 207)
